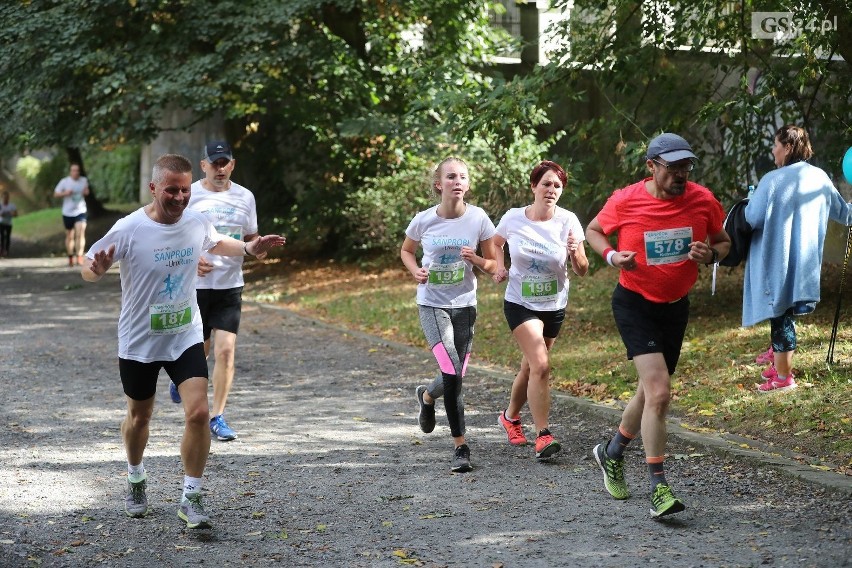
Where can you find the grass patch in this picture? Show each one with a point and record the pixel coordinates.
(712, 389)
(38, 224)
(41, 232)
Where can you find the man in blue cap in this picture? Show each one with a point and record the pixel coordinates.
(232, 210)
(666, 226)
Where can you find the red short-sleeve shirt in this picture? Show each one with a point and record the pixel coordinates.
(659, 231)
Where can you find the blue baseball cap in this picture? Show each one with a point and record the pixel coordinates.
(669, 147)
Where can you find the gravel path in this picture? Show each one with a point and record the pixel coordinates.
(331, 469)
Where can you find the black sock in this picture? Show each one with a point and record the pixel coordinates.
(615, 448)
(656, 474)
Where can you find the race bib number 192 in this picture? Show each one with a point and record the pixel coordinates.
(446, 274)
(667, 246)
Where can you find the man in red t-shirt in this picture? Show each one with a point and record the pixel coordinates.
(666, 225)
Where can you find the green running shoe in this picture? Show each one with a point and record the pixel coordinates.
(136, 501)
(664, 502)
(192, 511)
(613, 472)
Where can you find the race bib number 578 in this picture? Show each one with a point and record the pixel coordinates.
(667, 246)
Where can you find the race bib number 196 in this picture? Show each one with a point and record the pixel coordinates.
(667, 246)
(446, 274)
(539, 290)
(169, 319)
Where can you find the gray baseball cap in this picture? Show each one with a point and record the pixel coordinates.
(669, 147)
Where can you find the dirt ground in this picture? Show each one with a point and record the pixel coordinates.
(331, 469)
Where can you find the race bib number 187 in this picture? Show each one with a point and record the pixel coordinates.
(667, 246)
(169, 319)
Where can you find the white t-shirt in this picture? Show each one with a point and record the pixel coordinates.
(233, 213)
(159, 315)
(452, 283)
(538, 277)
(74, 204)
(6, 212)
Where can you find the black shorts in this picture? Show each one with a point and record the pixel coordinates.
(650, 327)
(69, 222)
(517, 314)
(220, 309)
(140, 379)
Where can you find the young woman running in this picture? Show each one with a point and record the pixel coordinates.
(542, 237)
(446, 293)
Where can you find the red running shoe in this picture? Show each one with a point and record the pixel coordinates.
(513, 429)
(545, 446)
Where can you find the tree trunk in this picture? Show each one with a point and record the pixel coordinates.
(93, 204)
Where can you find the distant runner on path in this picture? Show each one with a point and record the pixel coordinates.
(73, 190)
(159, 327)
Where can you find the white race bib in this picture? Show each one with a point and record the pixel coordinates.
(235, 232)
(667, 246)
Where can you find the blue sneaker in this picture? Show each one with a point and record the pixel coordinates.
(174, 393)
(221, 429)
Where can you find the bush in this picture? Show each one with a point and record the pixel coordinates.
(114, 173)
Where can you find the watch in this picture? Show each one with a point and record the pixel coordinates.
(715, 257)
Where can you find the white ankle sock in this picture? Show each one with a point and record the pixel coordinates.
(135, 473)
(191, 485)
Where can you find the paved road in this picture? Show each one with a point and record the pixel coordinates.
(331, 470)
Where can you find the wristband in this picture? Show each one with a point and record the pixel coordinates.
(608, 253)
(245, 250)
(715, 257)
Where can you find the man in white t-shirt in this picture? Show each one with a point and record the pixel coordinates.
(158, 247)
(232, 210)
(73, 190)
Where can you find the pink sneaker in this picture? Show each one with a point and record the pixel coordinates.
(766, 357)
(776, 385)
(770, 372)
(514, 430)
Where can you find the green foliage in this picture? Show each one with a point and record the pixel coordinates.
(116, 173)
(693, 68)
(52, 170)
(335, 106)
(28, 167)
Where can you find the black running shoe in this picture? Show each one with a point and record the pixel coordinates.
(461, 459)
(426, 415)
